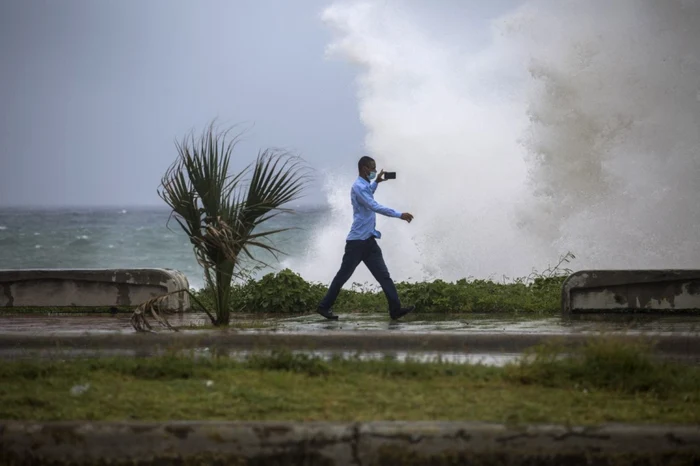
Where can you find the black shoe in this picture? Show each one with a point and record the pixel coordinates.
(400, 312)
(327, 313)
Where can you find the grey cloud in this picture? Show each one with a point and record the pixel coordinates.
(95, 92)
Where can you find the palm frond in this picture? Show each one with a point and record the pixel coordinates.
(139, 319)
(221, 213)
(152, 306)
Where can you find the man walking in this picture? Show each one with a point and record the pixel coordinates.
(361, 244)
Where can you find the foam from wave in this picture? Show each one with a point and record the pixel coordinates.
(575, 130)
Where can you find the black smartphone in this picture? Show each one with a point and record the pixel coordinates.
(389, 175)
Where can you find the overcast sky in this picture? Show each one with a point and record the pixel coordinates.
(94, 92)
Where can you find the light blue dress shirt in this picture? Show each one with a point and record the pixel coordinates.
(364, 218)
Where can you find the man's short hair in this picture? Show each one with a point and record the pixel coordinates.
(364, 161)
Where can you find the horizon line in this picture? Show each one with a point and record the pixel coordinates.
(117, 206)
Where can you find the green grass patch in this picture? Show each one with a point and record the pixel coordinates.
(602, 382)
(605, 364)
(286, 292)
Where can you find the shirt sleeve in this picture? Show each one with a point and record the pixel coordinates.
(373, 186)
(364, 196)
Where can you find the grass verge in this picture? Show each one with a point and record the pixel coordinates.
(287, 293)
(605, 381)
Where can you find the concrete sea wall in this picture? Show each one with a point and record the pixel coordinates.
(631, 290)
(91, 287)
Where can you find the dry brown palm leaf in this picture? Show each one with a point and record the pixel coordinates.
(157, 305)
(152, 307)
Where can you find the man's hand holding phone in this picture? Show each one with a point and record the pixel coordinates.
(383, 176)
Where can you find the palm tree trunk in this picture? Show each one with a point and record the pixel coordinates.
(223, 293)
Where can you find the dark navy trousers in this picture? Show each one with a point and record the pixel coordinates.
(366, 251)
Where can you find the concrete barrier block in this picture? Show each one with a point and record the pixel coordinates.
(91, 287)
(175, 443)
(431, 443)
(631, 290)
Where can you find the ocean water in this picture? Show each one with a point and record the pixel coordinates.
(124, 238)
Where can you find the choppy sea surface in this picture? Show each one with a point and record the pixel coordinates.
(124, 238)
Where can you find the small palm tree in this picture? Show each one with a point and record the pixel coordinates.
(221, 213)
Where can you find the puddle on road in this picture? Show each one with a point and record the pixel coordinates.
(495, 324)
(421, 324)
(489, 359)
(361, 323)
